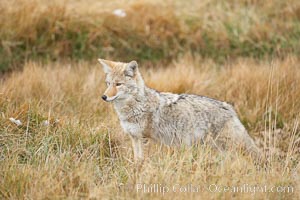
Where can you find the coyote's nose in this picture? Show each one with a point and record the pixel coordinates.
(104, 97)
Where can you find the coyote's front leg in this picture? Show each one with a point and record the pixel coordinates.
(137, 148)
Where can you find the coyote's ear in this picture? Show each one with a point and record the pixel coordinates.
(131, 68)
(106, 67)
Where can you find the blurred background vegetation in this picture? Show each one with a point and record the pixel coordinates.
(146, 30)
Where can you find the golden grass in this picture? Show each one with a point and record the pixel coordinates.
(86, 155)
(151, 30)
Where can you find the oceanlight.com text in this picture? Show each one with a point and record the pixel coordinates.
(213, 188)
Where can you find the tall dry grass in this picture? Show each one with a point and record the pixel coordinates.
(82, 152)
(151, 30)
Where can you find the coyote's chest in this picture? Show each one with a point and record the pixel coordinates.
(133, 120)
(133, 129)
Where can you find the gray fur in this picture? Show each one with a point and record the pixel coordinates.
(172, 119)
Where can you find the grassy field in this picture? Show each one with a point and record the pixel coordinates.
(68, 143)
(150, 31)
(82, 151)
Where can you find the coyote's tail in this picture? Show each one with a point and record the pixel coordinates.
(240, 135)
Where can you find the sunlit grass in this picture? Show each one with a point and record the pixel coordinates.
(151, 30)
(83, 153)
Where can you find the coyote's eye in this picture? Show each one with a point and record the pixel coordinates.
(119, 84)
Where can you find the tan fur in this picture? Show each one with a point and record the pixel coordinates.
(111, 91)
(171, 119)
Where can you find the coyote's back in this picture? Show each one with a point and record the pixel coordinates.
(189, 119)
(172, 119)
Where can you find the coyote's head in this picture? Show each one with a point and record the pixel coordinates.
(123, 80)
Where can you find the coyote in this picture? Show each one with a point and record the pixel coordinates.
(171, 119)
